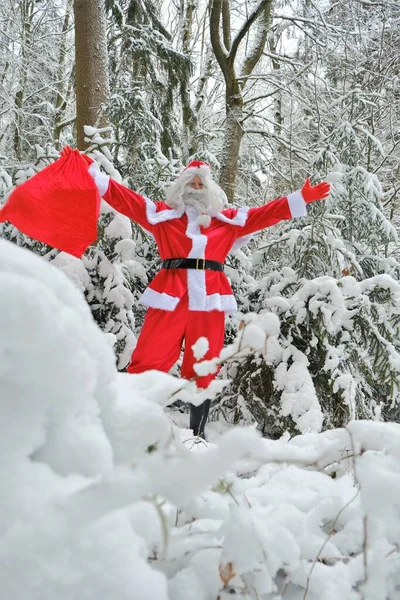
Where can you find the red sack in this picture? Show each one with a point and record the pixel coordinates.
(59, 206)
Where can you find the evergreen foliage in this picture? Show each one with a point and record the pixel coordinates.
(145, 72)
(342, 259)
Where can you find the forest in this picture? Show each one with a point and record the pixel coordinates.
(269, 93)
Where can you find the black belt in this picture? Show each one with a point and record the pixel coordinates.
(200, 264)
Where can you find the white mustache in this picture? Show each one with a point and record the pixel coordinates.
(192, 197)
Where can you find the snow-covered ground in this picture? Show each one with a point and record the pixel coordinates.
(105, 495)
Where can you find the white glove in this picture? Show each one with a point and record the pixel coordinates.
(101, 179)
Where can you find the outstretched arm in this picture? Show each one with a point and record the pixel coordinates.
(122, 199)
(293, 205)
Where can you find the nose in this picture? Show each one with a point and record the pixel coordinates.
(196, 185)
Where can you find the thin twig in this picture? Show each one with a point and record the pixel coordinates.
(331, 532)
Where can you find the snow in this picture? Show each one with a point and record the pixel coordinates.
(51, 348)
(200, 348)
(298, 394)
(253, 337)
(74, 269)
(102, 496)
(120, 227)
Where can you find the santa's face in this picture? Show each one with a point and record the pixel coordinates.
(195, 194)
(196, 183)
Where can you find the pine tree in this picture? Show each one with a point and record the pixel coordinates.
(36, 72)
(332, 278)
(145, 72)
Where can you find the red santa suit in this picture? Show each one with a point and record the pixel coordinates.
(185, 304)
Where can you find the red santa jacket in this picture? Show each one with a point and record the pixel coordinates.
(180, 236)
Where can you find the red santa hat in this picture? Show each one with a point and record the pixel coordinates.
(196, 167)
(197, 164)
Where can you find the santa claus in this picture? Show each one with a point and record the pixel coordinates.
(190, 295)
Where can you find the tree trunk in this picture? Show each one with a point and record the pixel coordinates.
(92, 85)
(276, 65)
(225, 52)
(27, 9)
(188, 115)
(232, 140)
(62, 86)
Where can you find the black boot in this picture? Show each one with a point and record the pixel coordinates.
(198, 418)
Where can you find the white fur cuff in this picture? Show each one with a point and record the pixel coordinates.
(153, 299)
(297, 206)
(101, 179)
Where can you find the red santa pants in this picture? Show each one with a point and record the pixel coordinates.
(160, 342)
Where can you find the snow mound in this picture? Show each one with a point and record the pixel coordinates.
(56, 369)
(101, 496)
(57, 376)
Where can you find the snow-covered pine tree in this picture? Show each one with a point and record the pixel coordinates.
(145, 72)
(36, 74)
(339, 322)
(332, 277)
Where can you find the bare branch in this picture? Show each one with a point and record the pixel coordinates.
(288, 145)
(226, 24)
(245, 28)
(259, 45)
(283, 58)
(331, 532)
(220, 53)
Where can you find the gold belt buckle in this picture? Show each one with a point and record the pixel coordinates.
(203, 264)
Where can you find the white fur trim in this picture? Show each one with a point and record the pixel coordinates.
(154, 299)
(196, 289)
(155, 217)
(297, 206)
(196, 279)
(101, 180)
(198, 299)
(222, 302)
(239, 219)
(203, 171)
(199, 241)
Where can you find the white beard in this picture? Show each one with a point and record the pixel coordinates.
(197, 200)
